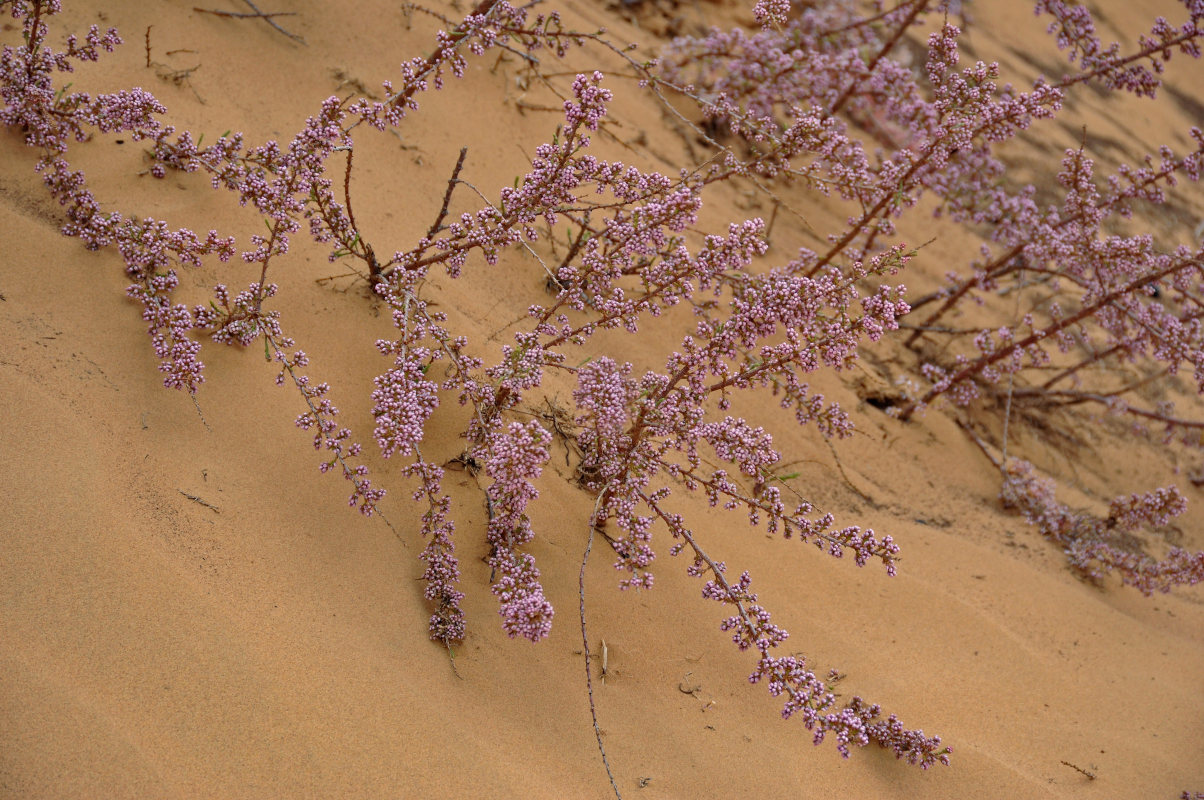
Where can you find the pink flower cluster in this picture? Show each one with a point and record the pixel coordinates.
(1093, 544)
(1075, 31)
(442, 571)
(857, 723)
(516, 457)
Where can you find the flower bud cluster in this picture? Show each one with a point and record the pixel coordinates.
(1095, 545)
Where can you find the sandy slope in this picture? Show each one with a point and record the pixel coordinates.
(273, 645)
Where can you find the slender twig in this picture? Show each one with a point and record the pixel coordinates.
(196, 499)
(199, 413)
(589, 680)
(773, 217)
(983, 446)
(243, 15)
(368, 255)
(437, 225)
(1090, 775)
(266, 16)
(268, 19)
(347, 191)
(848, 482)
(523, 105)
(319, 416)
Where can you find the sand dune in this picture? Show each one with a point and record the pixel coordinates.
(187, 609)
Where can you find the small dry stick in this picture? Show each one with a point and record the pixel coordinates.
(148, 57)
(523, 105)
(1080, 770)
(196, 499)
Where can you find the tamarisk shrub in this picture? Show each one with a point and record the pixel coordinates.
(628, 261)
(638, 434)
(645, 431)
(1106, 314)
